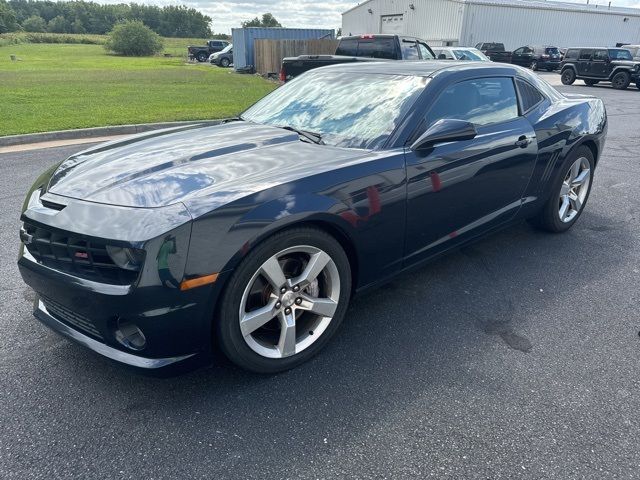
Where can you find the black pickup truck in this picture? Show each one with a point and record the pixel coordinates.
(201, 53)
(360, 48)
(495, 51)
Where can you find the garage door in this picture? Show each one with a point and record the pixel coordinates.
(391, 24)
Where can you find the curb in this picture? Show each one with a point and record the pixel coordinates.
(11, 140)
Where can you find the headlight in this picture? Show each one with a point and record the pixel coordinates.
(127, 258)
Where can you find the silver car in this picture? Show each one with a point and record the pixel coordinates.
(460, 53)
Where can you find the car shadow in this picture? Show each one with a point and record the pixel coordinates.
(422, 331)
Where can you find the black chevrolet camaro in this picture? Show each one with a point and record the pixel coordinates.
(250, 237)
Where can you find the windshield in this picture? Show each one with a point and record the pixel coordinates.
(620, 54)
(470, 55)
(346, 109)
(552, 51)
(635, 51)
(226, 49)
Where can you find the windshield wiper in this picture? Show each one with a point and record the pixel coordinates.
(311, 136)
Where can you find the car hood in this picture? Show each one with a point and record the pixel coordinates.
(177, 165)
(624, 63)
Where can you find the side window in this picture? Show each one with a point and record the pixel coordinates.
(529, 95)
(519, 51)
(482, 102)
(571, 55)
(600, 55)
(424, 51)
(409, 50)
(585, 55)
(528, 50)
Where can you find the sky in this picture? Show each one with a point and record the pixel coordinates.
(227, 14)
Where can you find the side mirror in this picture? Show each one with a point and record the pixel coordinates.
(445, 130)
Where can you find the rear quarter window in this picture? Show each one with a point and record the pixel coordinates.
(530, 96)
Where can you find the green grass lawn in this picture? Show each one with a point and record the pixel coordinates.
(64, 86)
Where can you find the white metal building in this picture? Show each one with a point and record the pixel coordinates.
(512, 22)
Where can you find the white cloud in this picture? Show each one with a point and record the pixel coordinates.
(228, 14)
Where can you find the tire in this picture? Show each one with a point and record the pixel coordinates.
(550, 69)
(568, 76)
(224, 63)
(261, 344)
(202, 57)
(591, 82)
(621, 80)
(550, 218)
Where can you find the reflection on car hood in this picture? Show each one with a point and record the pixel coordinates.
(178, 165)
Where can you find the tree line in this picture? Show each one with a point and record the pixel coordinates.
(90, 17)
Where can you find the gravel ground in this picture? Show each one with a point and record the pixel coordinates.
(516, 357)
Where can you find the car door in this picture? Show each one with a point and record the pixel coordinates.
(516, 57)
(599, 64)
(584, 63)
(457, 190)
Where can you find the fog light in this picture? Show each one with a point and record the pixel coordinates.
(129, 335)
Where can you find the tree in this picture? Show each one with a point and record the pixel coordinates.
(35, 23)
(339, 32)
(8, 22)
(133, 38)
(58, 25)
(268, 21)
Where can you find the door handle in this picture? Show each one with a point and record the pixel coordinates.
(524, 141)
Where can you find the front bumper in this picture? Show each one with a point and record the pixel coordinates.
(176, 324)
(42, 314)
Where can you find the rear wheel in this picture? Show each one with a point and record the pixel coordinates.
(591, 82)
(201, 57)
(569, 193)
(550, 69)
(285, 301)
(620, 80)
(568, 76)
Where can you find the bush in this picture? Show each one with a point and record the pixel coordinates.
(134, 39)
(34, 23)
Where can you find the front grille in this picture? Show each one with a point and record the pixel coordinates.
(70, 253)
(67, 316)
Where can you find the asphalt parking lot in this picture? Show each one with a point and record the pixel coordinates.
(516, 357)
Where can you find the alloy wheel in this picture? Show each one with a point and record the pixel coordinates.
(289, 302)
(534, 65)
(574, 189)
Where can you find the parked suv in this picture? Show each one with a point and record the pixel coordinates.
(537, 57)
(595, 65)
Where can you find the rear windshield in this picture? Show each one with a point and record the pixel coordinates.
(367, 47)
(493, 46)
(552, 51)
(620, 54)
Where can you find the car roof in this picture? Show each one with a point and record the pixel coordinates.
(422, 68)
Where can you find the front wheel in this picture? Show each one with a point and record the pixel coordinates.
(534, 66)
(568, 76)
(569, 193)
(224, 62)
(620, 80)
(285, 301)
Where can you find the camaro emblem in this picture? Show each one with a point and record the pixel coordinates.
(82, 255)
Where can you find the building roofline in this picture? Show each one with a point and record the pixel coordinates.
(542, 5)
